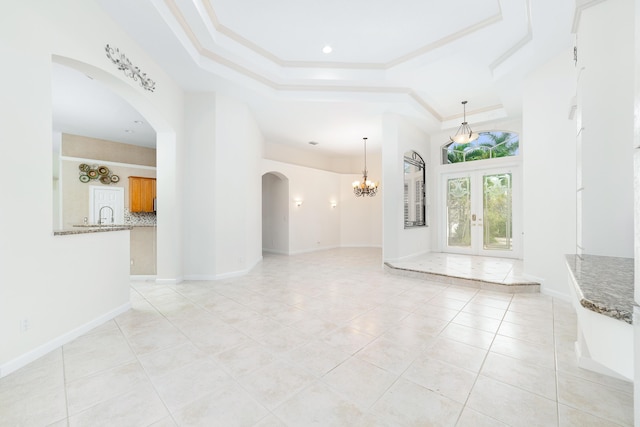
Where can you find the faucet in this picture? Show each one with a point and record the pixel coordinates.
(100, 214)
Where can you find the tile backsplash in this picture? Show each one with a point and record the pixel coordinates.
(139, 218)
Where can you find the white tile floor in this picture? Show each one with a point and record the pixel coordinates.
(326, 339)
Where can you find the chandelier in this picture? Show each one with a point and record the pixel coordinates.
(365, 187)
(464, 134)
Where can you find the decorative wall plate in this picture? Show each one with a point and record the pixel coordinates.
(99, 172)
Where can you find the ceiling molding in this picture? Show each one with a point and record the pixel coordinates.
(474, 112)
(425, 105)
(245, 71)
(226, 31)
(446, 40)
(519, 45)
(221, 60)
(581, 6)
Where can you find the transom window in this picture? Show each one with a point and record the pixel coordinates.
(489, 145)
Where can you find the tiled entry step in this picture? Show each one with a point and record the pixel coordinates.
(495, 274)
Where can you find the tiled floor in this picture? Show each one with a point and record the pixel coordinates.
(326, 339)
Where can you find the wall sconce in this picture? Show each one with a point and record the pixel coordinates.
(334, 204)
(298, 202)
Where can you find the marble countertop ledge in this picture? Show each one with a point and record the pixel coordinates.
(604, 284)
(92, 229)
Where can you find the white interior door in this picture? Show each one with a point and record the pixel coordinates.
(106, 205)
(481, 213)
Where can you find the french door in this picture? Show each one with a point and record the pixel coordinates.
(482, 213)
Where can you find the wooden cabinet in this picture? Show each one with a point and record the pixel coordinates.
(142, 194)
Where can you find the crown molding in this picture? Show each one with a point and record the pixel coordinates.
(519, 45)
(581, 6)
(219, 59)
(222, 29)
(476, 116)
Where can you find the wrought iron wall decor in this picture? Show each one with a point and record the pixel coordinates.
(129, 69)
(97, 173)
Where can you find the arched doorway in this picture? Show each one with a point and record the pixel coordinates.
(167, 255)
(275, 213)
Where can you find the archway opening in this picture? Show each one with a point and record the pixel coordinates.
(275, 213)
(159, 137)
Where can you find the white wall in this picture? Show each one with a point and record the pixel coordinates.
(71, 287)
(237, 189)
(605, 102)
(57, 184)
(636, 186)
(361, 217)
(315, 224)
(199, 183)
(222, 187)
(549, 173)
(400, 137)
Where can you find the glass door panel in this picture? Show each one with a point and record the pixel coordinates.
(497, 212)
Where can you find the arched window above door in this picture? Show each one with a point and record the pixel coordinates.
(489, 145)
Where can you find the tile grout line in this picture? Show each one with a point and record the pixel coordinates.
(464, 406)
(140, 363)
(555, 358)
(64, 379)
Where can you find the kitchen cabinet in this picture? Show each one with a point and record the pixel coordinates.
(142, 194)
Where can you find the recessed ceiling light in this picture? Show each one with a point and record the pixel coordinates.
(128, 131)
(327, 49)
(138, 122)
(313, 143)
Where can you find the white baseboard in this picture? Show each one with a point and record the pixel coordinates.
(142, 278)
(274, 251)
(555, 294)
(200, 277)
(407, 256)
(169, 281)
(228, 275)
(319, 248)
(36, 353)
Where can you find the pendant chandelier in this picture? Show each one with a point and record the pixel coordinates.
(464, 134)
(365, 187)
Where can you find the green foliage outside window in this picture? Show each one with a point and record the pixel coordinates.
(489, 145)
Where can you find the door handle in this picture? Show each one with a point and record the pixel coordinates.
(473, 217)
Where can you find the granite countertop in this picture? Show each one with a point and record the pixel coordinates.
(84, 229)
(604, 284)
(113, 225)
